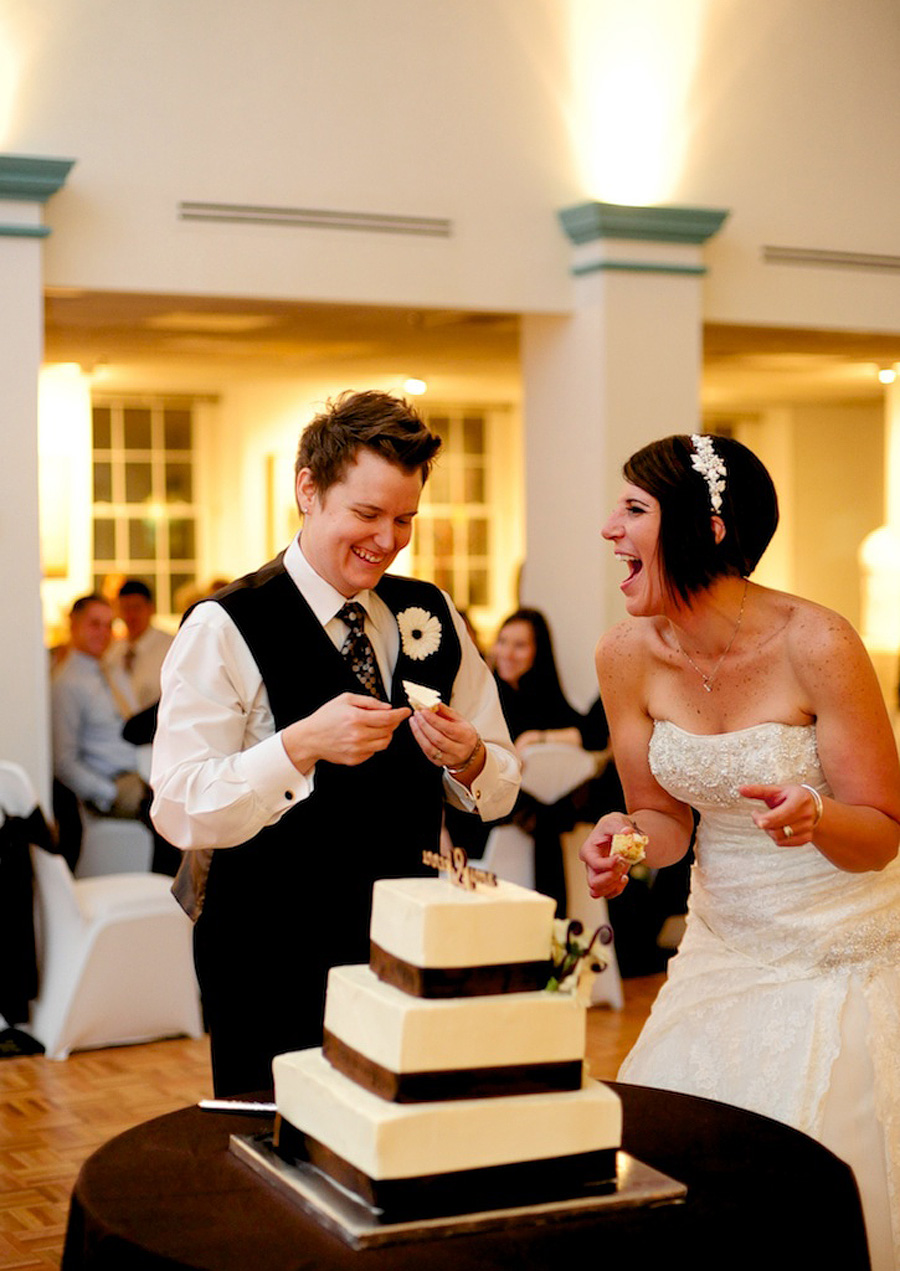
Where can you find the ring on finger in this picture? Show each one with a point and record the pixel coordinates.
(438, 756)
(787, 831)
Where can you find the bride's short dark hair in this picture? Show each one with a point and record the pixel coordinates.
(690, 556)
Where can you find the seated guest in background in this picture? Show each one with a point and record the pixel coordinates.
(90, 703)
(534, 704)
(287, 759)
(140, 655)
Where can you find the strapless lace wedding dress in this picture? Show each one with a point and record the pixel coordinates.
(784, 997)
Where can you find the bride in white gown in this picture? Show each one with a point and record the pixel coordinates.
(761, 711)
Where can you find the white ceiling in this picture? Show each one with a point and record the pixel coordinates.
(745, 368)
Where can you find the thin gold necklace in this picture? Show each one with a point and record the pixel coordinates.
(708, 679)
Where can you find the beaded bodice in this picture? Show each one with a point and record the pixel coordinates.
(782, 906)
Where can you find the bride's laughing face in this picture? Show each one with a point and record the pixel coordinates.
(633, 529)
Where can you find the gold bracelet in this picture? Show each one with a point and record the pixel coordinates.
(461, 767)
(817, 800)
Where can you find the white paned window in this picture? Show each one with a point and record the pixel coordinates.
(144, 515)
(456, 534)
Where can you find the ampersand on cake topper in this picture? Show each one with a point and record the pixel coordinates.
(455, 864)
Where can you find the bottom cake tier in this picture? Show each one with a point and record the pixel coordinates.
(444, 1157)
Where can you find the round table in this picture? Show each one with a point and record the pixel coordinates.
(169, 1193)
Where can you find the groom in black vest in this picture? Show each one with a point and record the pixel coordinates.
(287, 760)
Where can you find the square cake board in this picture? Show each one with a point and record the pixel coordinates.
(358, 1225)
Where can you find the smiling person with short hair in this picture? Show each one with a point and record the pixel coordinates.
(287, 760)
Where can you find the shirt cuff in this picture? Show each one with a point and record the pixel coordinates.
(493, 791)
(273, 778)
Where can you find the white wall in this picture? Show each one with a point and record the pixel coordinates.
(494, 113)
(441, 108)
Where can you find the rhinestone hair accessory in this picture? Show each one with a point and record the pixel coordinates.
(711, 468)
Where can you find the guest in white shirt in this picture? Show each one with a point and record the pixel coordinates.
(91, 759)
(270, 746)
(141, 653)
(90, 704)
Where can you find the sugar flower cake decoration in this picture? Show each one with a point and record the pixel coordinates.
(420, 633)
(711, 467)
(571, 970)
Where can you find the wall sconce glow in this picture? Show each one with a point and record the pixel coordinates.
(633, 81)
(63, 427)
(887, 375)
(415, 387)
(879, 558)
(10, 74)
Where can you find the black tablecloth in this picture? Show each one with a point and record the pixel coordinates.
(170, 1194)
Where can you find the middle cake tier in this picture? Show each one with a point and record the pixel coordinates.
(411, 1049)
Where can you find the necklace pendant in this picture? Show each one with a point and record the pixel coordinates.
(707, 685)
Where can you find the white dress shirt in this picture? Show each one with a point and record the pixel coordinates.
(220, 772)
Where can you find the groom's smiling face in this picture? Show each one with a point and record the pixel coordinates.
(353, 531)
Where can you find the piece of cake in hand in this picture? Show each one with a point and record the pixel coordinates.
(421, 697)
(629, 846)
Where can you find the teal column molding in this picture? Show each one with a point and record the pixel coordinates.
(30, 179)
(683, 226)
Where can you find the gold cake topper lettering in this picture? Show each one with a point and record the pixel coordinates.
(455, 864)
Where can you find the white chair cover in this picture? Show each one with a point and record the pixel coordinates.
(551, 770)
(116, 961)
(113, 845)
(509, 853)
(17, 796)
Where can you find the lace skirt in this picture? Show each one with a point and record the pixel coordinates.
(820, 1052)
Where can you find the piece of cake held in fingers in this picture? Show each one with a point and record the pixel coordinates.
(629, 846)
(421, 697)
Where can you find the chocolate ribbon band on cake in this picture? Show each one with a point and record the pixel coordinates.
(460, 981)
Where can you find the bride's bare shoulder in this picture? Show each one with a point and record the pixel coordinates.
(812, 632)
(627, 644)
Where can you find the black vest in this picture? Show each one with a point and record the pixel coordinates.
(312, 872)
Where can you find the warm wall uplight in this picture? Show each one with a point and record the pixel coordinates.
(887, 375)
(879, 557)
(633, 85)
(64, 465)
(415, 387)
(10, 74)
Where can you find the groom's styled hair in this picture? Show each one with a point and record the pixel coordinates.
(378, 421)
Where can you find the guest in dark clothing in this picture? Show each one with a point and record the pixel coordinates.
(535, 706)
(536, 710)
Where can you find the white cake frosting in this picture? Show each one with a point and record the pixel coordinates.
(437, 1047)
(430, 923)
(390, 1141)
(414, 1034)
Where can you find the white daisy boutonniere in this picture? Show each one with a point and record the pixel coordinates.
(420, 632)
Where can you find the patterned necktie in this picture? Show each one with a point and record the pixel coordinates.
(357, 650)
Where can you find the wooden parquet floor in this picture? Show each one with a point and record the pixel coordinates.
(53, 1115)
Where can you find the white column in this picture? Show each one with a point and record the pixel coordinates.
(621, 369)
(25, 184)
(879, 558)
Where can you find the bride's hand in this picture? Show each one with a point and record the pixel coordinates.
(607, 875)
(791, 816)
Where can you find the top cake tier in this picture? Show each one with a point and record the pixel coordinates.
(433, 939)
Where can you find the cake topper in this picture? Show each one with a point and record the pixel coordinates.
(455, 864)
